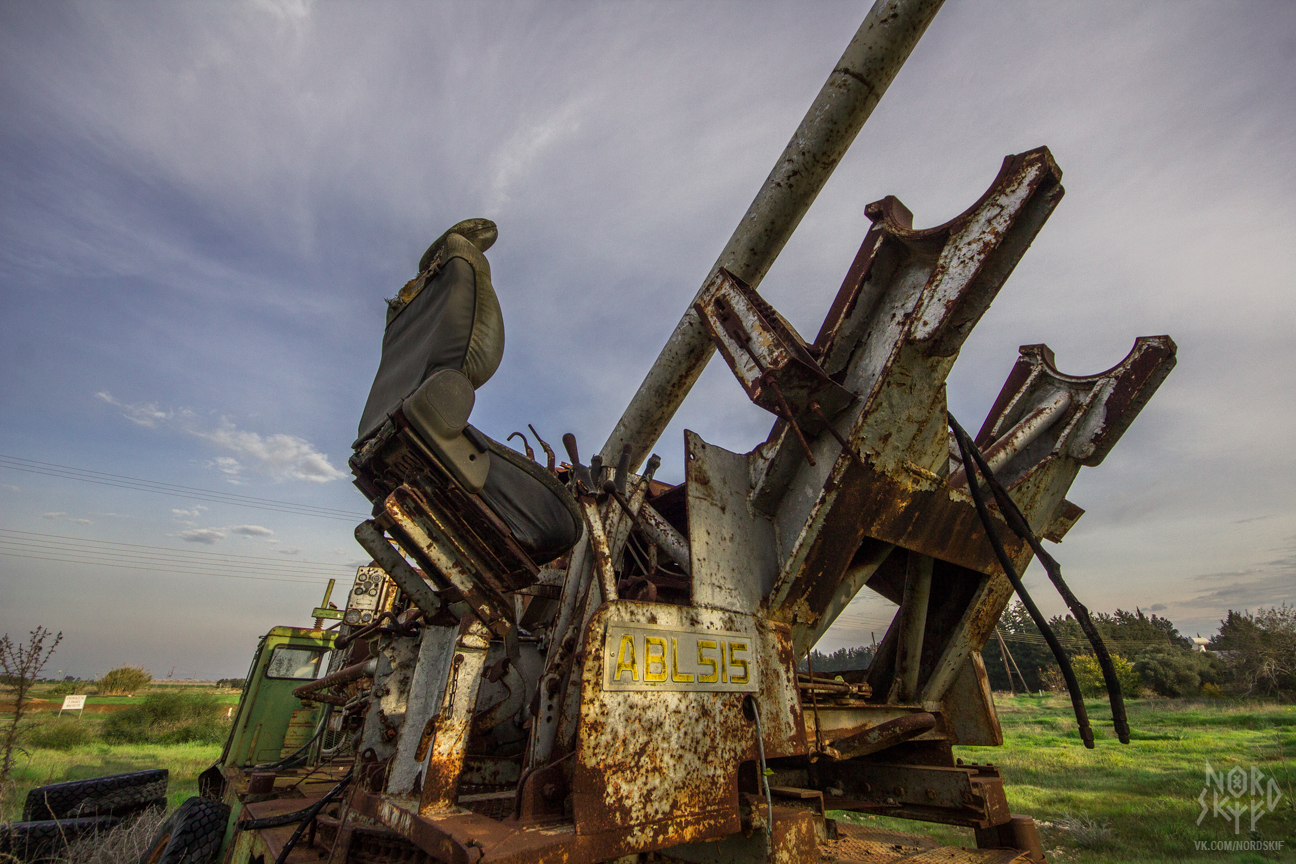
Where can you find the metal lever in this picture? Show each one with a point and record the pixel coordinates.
(623, 470)
(580, 471)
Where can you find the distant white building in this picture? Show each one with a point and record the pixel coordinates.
(1199, 644)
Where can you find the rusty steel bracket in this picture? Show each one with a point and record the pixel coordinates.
(414, 525)
(772, 363)
(1041, 412)
(969, 795)
(891, 337)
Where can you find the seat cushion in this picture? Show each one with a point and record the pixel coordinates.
(541, 513)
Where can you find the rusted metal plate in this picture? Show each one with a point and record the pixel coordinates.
(389, 699)
(913, 299)
(1095, 410)
(427, 689)
(770, 360)
(451, 725)
(970, 715)
(732, 552)
(663, 766)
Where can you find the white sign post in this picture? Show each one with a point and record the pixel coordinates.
(73, 703)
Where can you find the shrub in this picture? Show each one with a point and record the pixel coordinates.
(1212, 691)
(62, 733)
(1177, 673)
(231, 683)
(1050, 678)
(168, 717)
(124, 681)
(1090, 678)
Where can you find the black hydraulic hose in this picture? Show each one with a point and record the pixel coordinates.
(1073, 687)
(1017, 522)
(274, 821)
(311, 813)
(286, 760)
(303, 817)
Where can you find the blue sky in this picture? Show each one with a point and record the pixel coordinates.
(204, 206)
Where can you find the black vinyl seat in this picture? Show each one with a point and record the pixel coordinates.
(444, 339)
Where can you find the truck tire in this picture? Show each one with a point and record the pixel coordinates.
(114, 795)
(190, 835)
(48, 838)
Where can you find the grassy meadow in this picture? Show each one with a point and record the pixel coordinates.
(1135, 802)
(1116, 803)
(56, 748)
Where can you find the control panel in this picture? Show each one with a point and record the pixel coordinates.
(370, 595)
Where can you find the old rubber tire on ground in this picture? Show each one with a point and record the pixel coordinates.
(190, 835)
(114, 795)
(48, 838)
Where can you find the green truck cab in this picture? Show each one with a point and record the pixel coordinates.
(271, 724)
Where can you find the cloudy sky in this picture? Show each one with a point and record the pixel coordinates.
(204, 205)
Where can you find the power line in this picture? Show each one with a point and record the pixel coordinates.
(137, 484)
(60, 539)
(131, 556)
(1032, 639)
(319, 581)
(75, 555)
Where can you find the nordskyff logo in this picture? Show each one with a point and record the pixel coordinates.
(1238, 793)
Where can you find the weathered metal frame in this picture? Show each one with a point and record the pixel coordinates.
(855, 486)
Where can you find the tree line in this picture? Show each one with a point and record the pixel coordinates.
(1253, 654)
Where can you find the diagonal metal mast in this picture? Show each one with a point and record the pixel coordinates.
(871, 60)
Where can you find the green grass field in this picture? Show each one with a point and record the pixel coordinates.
(1139, 801)
(36, 766)
(41, 766)
(1125, 803)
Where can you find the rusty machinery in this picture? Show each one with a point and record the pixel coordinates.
(639, 694)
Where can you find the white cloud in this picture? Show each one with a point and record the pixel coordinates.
(279, 455)
(250, 531)
(227, 465)
(146, 414)
(83, 521)
(52, 515)
(208, 536)
(9, 488)
(189, 514)
(290, 551)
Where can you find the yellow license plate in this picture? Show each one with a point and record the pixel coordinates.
(645, 657)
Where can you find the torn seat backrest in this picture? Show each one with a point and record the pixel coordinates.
(446, 318)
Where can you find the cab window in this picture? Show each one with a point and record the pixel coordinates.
(297, 663)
